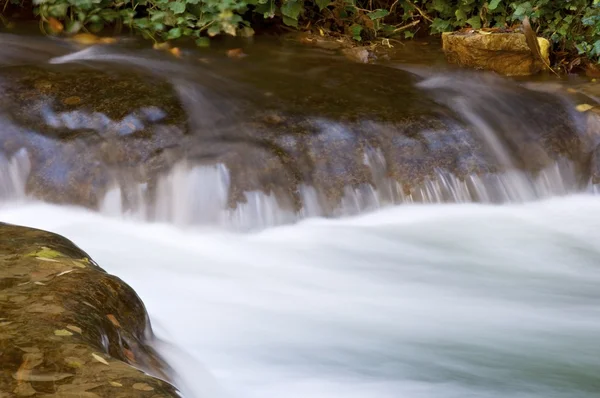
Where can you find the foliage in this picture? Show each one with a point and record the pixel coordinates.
(572, 25)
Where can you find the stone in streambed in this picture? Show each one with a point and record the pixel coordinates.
(57, 338)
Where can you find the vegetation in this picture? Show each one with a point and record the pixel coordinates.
(572, 25)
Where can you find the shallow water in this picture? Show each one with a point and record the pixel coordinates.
(413, 301)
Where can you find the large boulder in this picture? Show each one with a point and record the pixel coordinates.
(69, 329)
(504, 53)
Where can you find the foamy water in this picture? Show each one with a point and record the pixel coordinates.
(413, 301)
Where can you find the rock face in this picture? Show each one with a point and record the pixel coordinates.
(69, 329)
(504, 53)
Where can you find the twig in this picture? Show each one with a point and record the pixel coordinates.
(423, 14)
(404, 27)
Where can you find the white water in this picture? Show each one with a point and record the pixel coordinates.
(413, 301)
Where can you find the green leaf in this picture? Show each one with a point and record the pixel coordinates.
(408, 34)
(493, 5)
(440, 25)
(322, 3)
(174, 33)
(356, 30)
(475, 22)
(460, 15)
(58, 10)
(290, 21)
(178, 7)
(378, 14)
(292, 9)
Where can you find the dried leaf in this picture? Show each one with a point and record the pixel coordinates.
(113, 320)
(175, 51)
(55, 25)
(100, 359)
(74, 328)
(45, 308)
(142, 387)
(129, 354)
(583, 107)
(43, 376)
(115, 384)
(62, 332)
(39, 283)
(50, 260)
(73, 100)
(533, 44)
(65, 272)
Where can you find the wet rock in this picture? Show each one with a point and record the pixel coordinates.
(69, 329)
(504, 53)
(275, 121)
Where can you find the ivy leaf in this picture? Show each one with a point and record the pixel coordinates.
(493, 5)
(461, 15)
(378, 14)
(355, 30)
(322, 3)
(475, 22)
(174, 33)
(290, 21)
(292, 9)
(177, 7)
(440, 25)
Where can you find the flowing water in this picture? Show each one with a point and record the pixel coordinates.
(394, 293)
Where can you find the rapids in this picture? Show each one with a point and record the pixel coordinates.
(413, 301)
(456, 255)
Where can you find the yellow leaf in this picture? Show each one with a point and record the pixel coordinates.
(115, 384)
(99, 359)
(45, 252)
(142, 387)
(583, 107)
(62, 332)
(321, 32)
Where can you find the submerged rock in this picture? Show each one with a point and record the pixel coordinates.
(504, 53)
(69, 329)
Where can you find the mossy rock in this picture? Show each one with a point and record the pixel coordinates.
(69, 329)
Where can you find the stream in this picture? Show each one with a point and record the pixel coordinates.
(425, 233)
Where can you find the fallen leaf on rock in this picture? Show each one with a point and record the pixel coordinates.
(113, 320)
(5, 323)
(100, 359)
(115, 384)
(65, 272)
(74, 362)
(142, 387)
(175, 51)
(583, 107)
(129, 354)
(74, 328)
(45, 308)
(43, 376)
(62, 332)
(39, 283)
(50, 260)
(45, 252)
(71, 100)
